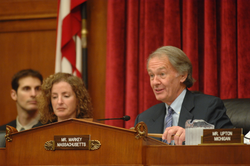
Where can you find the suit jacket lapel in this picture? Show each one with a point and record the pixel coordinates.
(187, 107)
(158, 119)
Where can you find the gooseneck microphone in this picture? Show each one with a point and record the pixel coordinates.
(125, 118)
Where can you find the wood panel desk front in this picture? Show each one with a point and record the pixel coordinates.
(118, 147)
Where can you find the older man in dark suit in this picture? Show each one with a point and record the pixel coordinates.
(170, 73)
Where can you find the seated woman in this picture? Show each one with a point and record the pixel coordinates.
(63, 96)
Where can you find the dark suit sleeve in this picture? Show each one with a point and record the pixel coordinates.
(12, 123)
(136, 120)
(216, 114)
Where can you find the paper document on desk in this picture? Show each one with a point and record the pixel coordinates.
(194, 131)
(247, 138)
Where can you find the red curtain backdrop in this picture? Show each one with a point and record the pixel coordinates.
(215, 35)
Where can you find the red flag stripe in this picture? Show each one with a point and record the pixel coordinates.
(68, 35)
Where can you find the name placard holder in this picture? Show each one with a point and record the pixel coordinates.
(72, 142)
(222, 137)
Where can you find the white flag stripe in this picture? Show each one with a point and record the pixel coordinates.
(78, 53)
(64, 8)
(66, 66)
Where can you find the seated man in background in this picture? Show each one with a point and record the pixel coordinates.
(26, 86)
(170, 73)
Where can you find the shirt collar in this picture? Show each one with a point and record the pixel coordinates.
(28, 126)
(177, 103)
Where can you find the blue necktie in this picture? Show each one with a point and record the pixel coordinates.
(168, 120)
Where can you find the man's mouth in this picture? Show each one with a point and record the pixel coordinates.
(33, 102)
(158, 90)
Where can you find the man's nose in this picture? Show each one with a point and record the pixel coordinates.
(33, 92)
(155, 80)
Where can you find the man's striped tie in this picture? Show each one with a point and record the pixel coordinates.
(168, 120)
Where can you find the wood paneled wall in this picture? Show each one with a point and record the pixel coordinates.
(27, 40)
(97, 28)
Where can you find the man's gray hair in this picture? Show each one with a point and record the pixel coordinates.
(178, 59)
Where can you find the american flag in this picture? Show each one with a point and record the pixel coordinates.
(68, 44)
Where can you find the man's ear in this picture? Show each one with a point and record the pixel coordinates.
(183, 77)
(13, 94)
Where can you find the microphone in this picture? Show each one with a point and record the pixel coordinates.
(125, 118)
